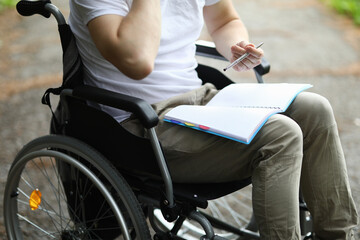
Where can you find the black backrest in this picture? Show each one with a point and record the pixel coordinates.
(211, 75)
(101, 131)
(96, 128)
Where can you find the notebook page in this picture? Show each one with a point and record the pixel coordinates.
(239, 124)
(271, 95)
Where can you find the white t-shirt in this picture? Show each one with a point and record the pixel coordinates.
(174, 72)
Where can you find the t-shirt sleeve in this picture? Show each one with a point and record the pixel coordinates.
(211, 2)
(90, 9)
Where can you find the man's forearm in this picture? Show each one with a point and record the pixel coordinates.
(225, 26)
(140, 30)
(229, 35)
(130, 43)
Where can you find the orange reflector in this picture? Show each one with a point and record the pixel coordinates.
(35, 199)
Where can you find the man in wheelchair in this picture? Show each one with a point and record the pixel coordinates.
(146, 49)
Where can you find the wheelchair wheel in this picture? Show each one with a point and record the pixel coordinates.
(233, 210)
(60, 188)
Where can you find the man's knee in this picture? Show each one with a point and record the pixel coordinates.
(312, 108)
(280, 136)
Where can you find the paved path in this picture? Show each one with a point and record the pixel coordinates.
(304, 41)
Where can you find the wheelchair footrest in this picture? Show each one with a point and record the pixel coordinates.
(219, 238)
(165, 236)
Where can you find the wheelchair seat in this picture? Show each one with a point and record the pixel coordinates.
(133, 156)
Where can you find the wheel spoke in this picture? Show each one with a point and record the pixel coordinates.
(45, 205)
(36, 226)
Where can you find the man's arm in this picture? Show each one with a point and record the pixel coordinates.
(230, 34)
(130, 43)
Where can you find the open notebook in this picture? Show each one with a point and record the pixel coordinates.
(239, 110)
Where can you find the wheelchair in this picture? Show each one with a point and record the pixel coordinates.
(92, 179)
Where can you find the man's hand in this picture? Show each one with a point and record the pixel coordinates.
(249, 62)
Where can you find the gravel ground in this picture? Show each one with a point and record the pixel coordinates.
(304, 42)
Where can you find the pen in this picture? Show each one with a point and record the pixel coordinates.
(242, 57)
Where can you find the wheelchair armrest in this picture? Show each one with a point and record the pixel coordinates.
(207, 49)
(263, 68)
(137, 106)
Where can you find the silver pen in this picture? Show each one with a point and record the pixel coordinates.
(242, 57)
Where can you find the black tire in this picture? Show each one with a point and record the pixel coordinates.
(82, 195)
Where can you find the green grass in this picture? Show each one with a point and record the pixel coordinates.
(350, 8)
(7, 3)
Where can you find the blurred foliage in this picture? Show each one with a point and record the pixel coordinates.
(350, 8)
(7, 3)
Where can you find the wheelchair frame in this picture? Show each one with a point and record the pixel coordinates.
(168, 204)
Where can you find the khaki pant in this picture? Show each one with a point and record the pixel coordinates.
(300, 146)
